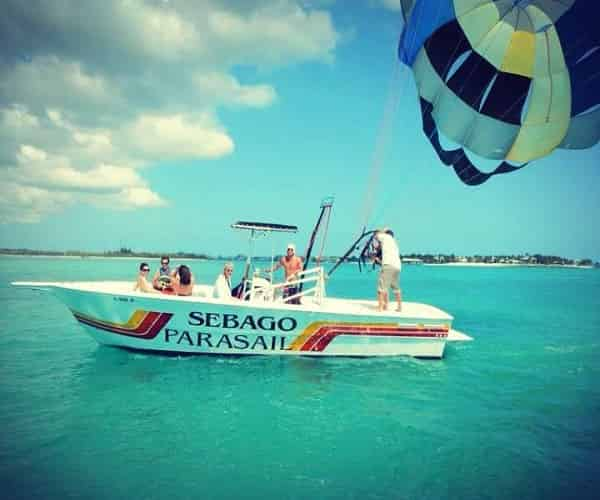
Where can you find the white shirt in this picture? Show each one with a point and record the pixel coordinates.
(390, 254)
(222, 288)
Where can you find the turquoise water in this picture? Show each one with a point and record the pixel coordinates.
(516, 413)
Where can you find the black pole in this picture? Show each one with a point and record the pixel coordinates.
(364, 254)
(311, 242)
(325, 205)
(352, 249)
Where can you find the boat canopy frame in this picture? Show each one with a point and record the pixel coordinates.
(264, 227)
(258, 229)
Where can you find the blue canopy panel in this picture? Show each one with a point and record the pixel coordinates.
(466, 171)
(579, 33)
(476, 81)
(481, 86)
(425, 18)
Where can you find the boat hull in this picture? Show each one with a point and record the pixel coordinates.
(159, 323)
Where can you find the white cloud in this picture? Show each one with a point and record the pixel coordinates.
(17, 125)
(50, 79)
(36, 167)
(17, 117)
(41, 183)
(162, 31)
(95, 141)
(276, 33)
(27, 204)
(91, 92)
(225, 88)
(56, 118)
(139, 197)
(31, 154)
(177, 136)
(128, 199)
(101, 178)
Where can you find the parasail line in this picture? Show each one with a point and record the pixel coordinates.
(382, 139)
(384, 134)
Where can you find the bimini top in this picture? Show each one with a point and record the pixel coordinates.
(264, 226)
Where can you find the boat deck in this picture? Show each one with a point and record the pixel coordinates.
(203, 293)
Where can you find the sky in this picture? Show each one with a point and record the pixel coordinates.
(155, 125)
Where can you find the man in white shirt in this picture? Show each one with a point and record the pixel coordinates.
(222, 288)
(390, 269)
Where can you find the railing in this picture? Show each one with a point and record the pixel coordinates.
(262, 289)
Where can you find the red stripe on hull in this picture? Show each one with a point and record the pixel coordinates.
(324, 335)
(148, 329)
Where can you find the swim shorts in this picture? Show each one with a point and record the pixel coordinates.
(388, 278)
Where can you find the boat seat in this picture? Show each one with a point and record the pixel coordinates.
(206, 291)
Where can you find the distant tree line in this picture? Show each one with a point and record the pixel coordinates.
(426, 258)
(527, 259)
(121, 252)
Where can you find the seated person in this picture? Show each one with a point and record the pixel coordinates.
(162, 277)
(222, 288)
(141, 283)
(183, 281)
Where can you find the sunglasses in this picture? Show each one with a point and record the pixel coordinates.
(145, 270)
(165, 262)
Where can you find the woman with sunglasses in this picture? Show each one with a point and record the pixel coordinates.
(141, 283)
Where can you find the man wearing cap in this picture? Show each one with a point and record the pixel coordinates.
(390, 269)
(292, 264)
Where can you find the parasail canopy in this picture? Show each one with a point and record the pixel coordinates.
(510, 80)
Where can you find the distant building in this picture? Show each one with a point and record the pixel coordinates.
(409, 260)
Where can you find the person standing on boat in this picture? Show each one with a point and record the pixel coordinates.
(141, 283)
(292, 265)
(389, 276)
(162, 277)
(222, 288)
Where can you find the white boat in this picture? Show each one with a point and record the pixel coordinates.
(264, 323)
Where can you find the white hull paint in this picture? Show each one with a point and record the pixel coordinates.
(114, 315)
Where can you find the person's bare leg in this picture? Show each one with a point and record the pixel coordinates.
(380, 301)
(398, 294)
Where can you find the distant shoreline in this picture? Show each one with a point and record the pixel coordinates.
(329, 260)
(499, 264)
(80, 257)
